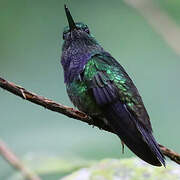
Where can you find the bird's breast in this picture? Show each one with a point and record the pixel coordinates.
(73, 66)
(81, 97)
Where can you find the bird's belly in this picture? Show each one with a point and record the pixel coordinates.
(82, 98)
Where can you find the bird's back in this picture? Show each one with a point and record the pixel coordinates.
(105, 89)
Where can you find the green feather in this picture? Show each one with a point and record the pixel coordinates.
(79, 90)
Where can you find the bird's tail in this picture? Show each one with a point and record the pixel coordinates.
(133, 134)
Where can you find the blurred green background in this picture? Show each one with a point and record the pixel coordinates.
(30, 51)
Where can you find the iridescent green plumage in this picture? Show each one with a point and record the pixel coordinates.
(115, 73)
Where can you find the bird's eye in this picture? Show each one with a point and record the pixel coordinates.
(86, 30)
(65, 35)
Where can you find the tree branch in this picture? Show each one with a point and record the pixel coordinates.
(70, 112)
(13, 160)
(170, 154)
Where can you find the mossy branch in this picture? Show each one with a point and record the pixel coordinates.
(70, 112)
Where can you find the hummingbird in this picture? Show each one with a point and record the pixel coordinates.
(99, 86)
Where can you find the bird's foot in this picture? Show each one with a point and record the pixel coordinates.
(122, 143)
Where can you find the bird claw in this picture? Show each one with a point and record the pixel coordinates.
(122, 143)
(91, 122)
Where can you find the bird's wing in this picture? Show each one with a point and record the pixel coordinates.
(116, 95)
(109, 82)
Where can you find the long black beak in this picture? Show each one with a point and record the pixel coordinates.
(71, 22)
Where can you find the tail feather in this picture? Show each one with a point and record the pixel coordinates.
(153, 144)
(133, 134)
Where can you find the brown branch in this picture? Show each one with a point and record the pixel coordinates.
(170, 154)
(13, 160)
(70, 112)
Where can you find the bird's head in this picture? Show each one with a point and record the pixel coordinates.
(80, 30)
(76, 31)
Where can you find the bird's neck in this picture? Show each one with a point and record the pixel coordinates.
(75, 57)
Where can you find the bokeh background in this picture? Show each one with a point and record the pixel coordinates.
(30, 51)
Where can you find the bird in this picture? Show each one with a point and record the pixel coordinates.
(98, 85)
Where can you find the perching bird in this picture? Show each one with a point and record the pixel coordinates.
(99, 86)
